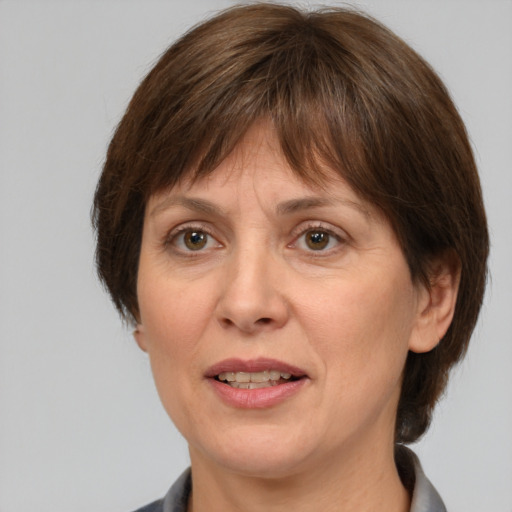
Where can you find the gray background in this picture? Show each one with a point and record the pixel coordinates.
(81, 428)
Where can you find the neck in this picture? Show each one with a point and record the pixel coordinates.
(355, 482)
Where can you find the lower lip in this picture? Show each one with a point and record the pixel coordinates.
(261, 398)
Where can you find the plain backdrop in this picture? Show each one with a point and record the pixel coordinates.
(81, 427)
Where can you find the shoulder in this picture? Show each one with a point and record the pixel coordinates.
(176, 499)
(156, 506)
(425, 498)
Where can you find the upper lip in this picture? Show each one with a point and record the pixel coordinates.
(253, 365)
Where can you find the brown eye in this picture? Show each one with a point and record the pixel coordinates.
(195, 240)
(317, 240)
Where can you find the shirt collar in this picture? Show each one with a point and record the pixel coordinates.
(424, 496)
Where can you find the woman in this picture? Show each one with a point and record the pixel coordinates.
(290, 216)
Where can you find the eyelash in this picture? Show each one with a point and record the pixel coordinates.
(321, 228)
(173, 237)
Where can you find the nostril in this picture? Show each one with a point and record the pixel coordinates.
(249, 326)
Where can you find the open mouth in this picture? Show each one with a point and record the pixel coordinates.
(259, 383)
(255, 380)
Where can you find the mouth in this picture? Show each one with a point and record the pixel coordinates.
(257, 383)
(255, 380)
(255, 374)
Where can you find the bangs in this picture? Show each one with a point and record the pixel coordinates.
(294, 79)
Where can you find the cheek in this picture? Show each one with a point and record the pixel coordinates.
(172, 330)
(173, 312)
(174, 318)
(361, 332)
(362, 343)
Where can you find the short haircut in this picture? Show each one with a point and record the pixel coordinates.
(341, 91)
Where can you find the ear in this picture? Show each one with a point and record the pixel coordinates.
(140, 337)
(436, 303)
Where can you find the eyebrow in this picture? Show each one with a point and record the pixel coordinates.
(198, 205)
(285, 208)
(308, 203)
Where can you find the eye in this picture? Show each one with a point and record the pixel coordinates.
(318, 239)
(195, 240)
(192, 239)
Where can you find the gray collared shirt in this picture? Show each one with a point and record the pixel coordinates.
(424, 497)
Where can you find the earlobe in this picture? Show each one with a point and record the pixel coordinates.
(436, 304)
(140, 337)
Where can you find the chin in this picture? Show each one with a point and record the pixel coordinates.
(265, 454)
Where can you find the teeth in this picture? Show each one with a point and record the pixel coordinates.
(264, 377)
(274, 375)
(253, 385)
(242, 377)
(260, 376)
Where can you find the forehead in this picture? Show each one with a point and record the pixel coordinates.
(258, 169)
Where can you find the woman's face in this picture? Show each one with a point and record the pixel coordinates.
(250, 274)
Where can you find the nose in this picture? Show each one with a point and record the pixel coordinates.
(252, 297)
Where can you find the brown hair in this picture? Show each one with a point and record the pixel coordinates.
(340, 89)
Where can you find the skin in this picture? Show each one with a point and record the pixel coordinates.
(347, 314)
